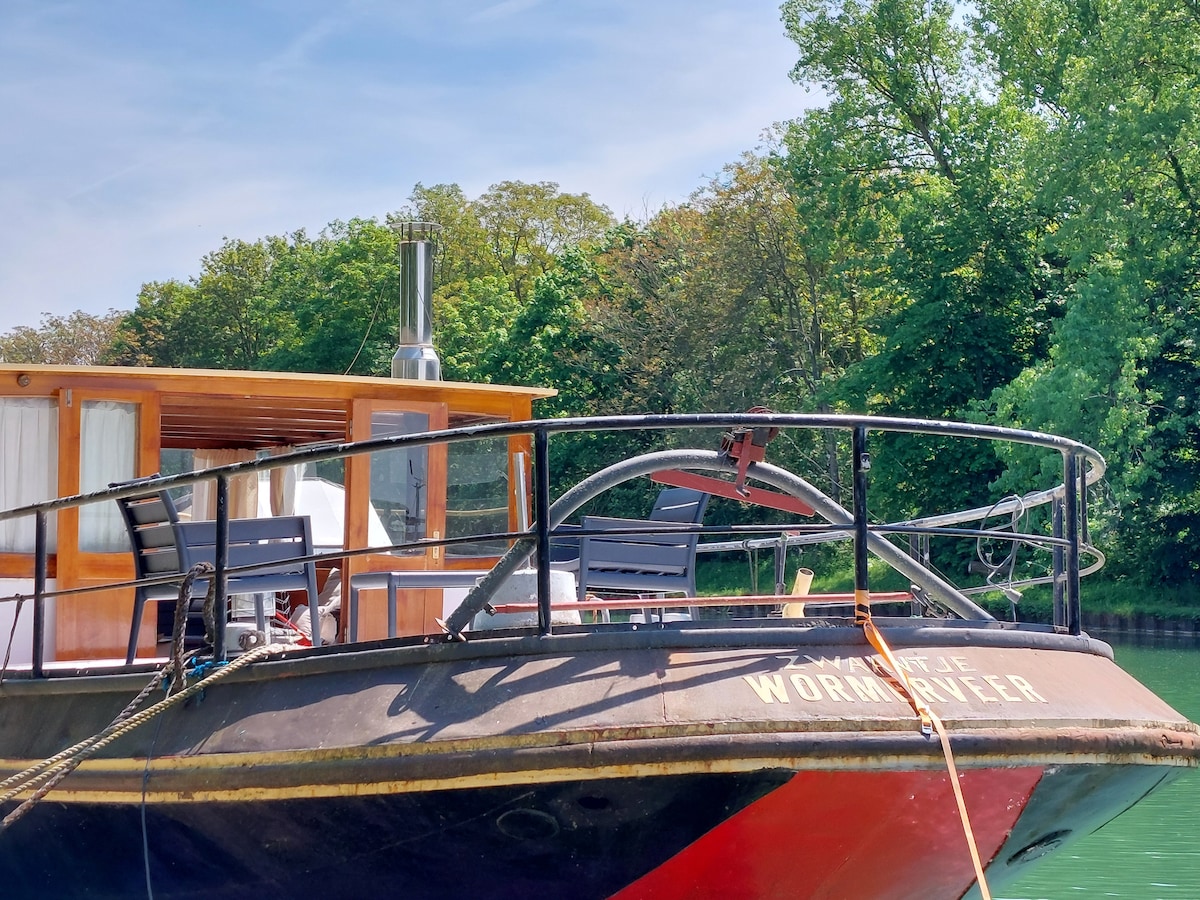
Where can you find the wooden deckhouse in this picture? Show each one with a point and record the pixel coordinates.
(69, 430)
(599, 743)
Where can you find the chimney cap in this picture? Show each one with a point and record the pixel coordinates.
(416, 231)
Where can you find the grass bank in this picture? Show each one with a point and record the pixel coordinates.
(734, 573)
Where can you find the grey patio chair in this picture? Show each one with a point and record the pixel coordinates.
(660, 561)
(163, 545)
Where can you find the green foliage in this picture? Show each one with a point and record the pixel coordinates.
(77, 339)
(1119, 168)
(227, 317)
(152, 334)
(340, 295)
(526, 225)
(474, 324)
(491, 253)
(330, 303)
(919, 170)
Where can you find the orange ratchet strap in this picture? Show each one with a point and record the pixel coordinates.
(929, 723)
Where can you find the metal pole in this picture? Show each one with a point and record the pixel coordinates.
(1060, 609)
(781, 566)
(221, 562)
(1071, 515)
(914, 550)
(541, 510)
(1085, 538)
(861, 463)
(41, 554)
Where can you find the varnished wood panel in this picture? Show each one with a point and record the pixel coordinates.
(20, 565)
(197, 409)
(96, 625)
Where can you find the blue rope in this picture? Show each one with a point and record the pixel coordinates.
(201, 669)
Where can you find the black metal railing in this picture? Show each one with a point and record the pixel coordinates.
(1081, 466)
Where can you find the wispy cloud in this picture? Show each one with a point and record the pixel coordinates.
(502, 10)
(138, 136)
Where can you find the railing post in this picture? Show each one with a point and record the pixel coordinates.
(541, 510)
(781, 565)
(861, 464)
(41, 554)
(1057, 566)
(1085, 537)
(221, 563)
(1071, 517)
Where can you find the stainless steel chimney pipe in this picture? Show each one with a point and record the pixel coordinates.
(415, 356)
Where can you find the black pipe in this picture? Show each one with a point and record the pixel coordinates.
(1071, 516)
(221, 564)
(541, 511)
(1056, 555)
(862, 462)
(41, 554)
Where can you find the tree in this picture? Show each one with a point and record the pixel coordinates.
(151, 335)
(331, 303)
(463, 249)
(528, 224)
(939, 154)
(77, 339)
(514, 230)
(491, 251)
(227, 317)
(337, 300)
(897, 64)
(475, 327)
(1115, 86)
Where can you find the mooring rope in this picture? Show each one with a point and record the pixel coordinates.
(930, 722)
(46, 774)
(12, 636)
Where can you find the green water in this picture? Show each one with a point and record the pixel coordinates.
(1151, 852)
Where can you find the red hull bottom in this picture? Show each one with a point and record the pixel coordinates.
(868, 835)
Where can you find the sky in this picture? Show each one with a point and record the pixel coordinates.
(137, 135)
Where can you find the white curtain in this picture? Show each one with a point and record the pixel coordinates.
(243, 489)
(107, 453)
(283, 485)
(28, 466)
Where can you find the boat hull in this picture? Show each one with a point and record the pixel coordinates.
(884, 834)
(659, 763)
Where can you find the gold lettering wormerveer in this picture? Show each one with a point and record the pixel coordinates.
(935, 679)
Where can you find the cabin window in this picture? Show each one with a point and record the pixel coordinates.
(198, 501)
(243, 489)
(477, 495)
(399, 478)
(176, 461)
(29, 442)
(107, 453)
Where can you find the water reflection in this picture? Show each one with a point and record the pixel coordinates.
(1151, 852)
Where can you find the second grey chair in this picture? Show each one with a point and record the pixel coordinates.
(163, 545)
(661, 560)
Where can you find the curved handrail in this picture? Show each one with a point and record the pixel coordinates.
(325, 451)
(1073, 453)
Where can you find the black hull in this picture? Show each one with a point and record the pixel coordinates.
(582, 840)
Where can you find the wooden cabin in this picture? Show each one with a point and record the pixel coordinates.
(75, 429)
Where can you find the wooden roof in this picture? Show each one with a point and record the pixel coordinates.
(220, 408)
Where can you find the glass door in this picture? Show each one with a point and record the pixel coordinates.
(104, 438)
(396, 500)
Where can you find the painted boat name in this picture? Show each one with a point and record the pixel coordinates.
(936, 679)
